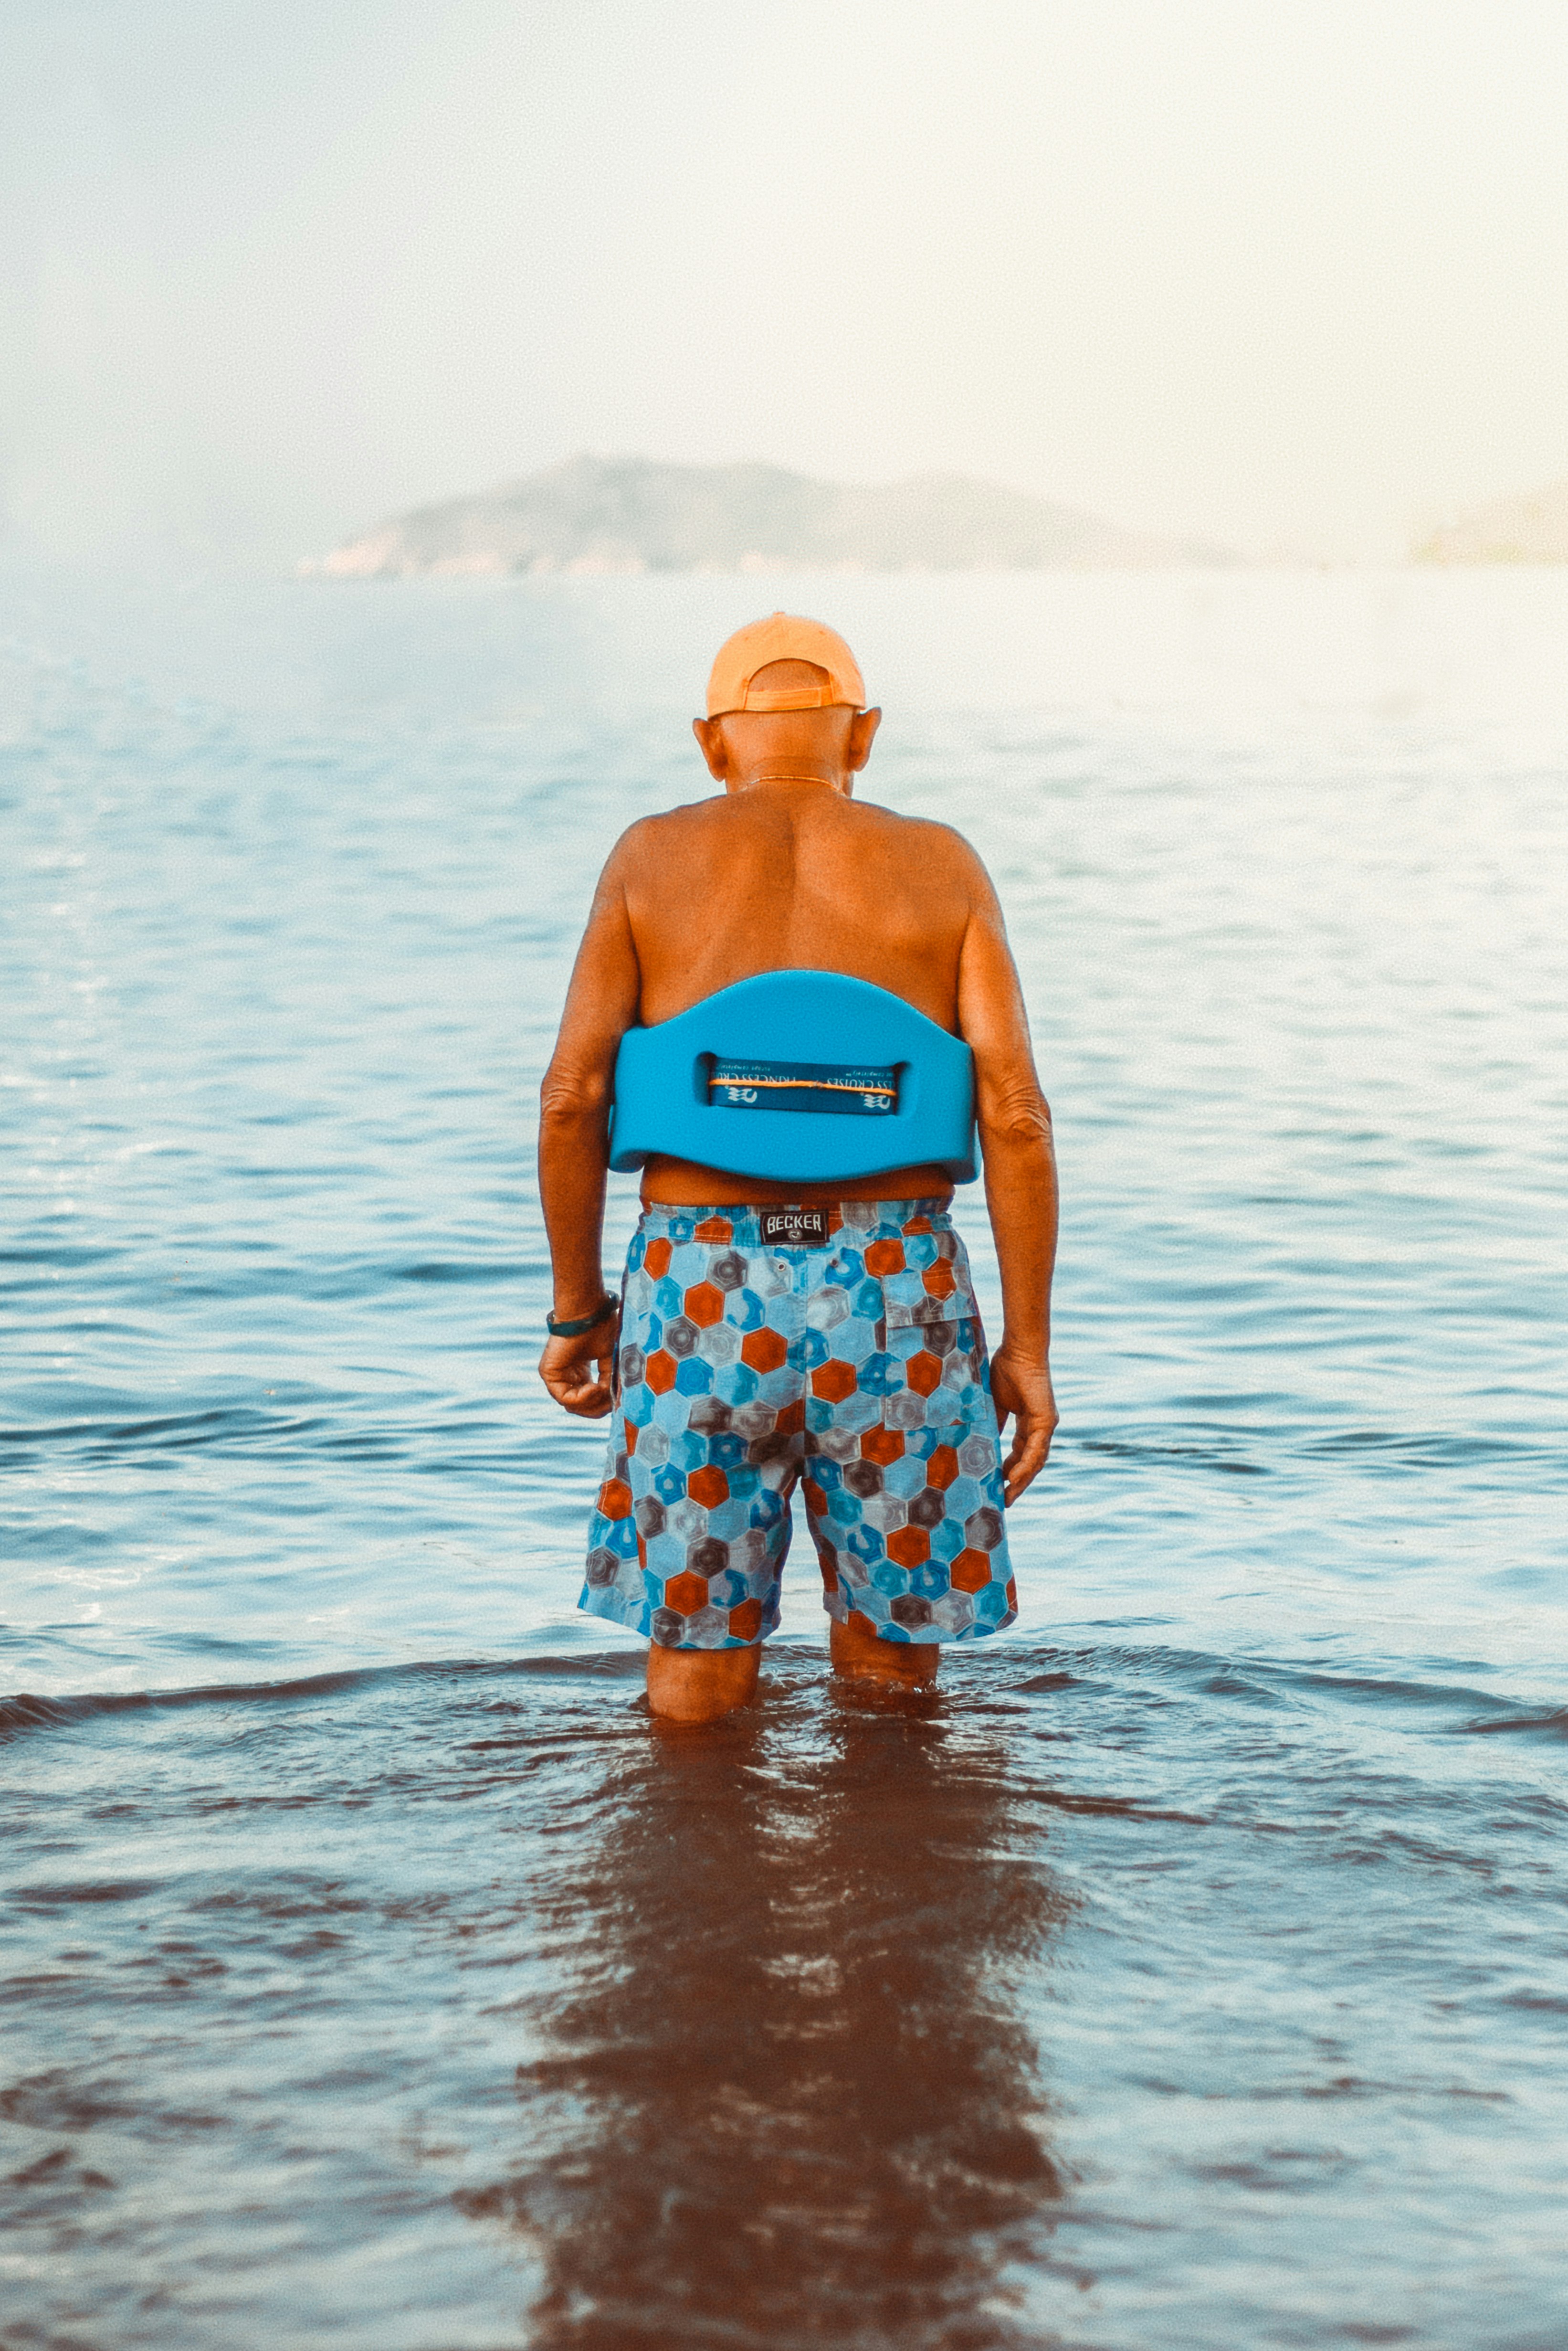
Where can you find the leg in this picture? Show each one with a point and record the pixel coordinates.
(701, 1685)
(861, 1655)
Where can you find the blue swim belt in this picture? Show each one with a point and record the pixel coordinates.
(796, 1076)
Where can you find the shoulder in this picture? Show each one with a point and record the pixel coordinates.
(651, 837)
(664, 825)
(939, 847)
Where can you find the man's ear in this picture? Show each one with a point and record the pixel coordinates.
(862, 735)
(709, 734)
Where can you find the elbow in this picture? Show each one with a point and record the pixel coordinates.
(570, 1099)
(1019, 1115)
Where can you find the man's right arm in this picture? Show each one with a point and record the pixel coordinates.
(1014, 1121)
(574, 1123)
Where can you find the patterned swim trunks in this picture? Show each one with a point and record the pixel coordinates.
(853, 1364)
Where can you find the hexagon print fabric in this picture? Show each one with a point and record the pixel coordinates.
(856, 1370)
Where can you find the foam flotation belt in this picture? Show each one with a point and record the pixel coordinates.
(796, 1076)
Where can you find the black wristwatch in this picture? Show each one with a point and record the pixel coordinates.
(582, 1322)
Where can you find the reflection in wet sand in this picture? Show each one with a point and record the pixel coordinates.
(787, 2098)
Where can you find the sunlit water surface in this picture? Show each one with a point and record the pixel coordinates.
(1193, 1970)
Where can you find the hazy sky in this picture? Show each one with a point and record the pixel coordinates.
(1290, 272)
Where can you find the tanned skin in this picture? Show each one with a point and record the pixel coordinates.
(786, 870)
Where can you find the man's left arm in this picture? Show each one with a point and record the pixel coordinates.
(574, 1151)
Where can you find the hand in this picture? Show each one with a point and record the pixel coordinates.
(577, 1371)
(1020, 1390)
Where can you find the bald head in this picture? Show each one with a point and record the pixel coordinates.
(829, 744)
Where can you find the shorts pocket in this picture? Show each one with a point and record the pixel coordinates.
(935, 1287)
(917, 1313)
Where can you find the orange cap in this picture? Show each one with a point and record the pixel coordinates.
(783, 637)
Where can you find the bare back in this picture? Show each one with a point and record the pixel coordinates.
(791, 877)
(794, 877)
(788, 877)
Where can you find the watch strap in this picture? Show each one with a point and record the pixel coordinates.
(582, 1323)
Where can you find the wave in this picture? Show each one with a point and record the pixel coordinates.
(28, 1712)
(1026, 1670)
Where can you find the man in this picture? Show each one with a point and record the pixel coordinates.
(784, 870)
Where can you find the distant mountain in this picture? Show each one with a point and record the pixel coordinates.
(1532, 529)
(627, 514)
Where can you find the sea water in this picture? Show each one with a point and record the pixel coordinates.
(1192, 1970)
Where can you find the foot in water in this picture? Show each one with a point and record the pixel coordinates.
(701, 1685)
(861, 1655)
